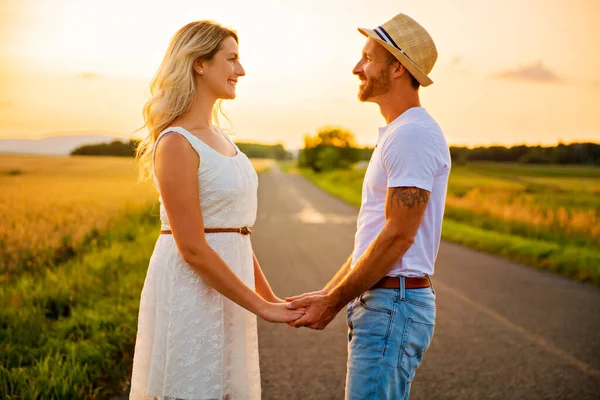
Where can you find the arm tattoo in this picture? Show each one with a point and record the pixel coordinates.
(410, 197)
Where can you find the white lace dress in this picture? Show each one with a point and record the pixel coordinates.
(192, 342)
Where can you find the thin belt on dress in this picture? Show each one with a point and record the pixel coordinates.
(243, 231)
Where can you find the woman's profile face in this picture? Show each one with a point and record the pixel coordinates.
(221, 73)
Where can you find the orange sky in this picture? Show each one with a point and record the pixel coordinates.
(507, 72)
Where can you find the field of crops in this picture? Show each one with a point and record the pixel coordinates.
(544, 216)
(50, 205)
(75, 240)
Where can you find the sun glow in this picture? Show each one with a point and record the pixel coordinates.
(72, 66)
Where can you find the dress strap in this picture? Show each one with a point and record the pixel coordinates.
(175, 129)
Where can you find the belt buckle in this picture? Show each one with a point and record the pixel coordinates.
(245, 230)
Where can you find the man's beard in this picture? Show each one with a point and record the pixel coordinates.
(375, 86)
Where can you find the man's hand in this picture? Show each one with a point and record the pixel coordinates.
(322, 292)
(321, 310)
(288, 299)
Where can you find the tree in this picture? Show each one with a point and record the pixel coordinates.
(330, 148)
(574, 153)
(114, 148)
(328, 158)
(256, 150)
(118, 148)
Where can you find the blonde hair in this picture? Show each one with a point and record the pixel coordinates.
(173, 88)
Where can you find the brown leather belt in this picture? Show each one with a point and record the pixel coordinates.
(389, 282)
(243, 231)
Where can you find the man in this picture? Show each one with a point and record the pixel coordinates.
(391, 314)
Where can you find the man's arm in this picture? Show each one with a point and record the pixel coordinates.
(339, 276)
(404, 210)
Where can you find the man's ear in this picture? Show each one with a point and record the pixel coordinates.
(198, 66)
(398, 70)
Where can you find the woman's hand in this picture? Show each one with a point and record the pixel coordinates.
(278, 312)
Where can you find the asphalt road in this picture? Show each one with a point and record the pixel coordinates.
(503, 330)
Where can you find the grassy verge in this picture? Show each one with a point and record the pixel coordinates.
(288, 166)
(572, 255)
(346, 185)
(68, 332)
(581, 263)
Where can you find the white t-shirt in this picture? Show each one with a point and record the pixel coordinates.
(411, 151)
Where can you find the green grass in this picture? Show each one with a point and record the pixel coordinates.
(532, 170)
(543, 216)
(288, 166)
(345, 184)
(68, 332)
(581, 263)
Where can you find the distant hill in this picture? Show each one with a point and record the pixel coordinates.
(56, 145)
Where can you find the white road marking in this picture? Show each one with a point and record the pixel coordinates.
(310, 215)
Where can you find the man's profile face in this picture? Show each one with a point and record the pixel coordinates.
(373, 70)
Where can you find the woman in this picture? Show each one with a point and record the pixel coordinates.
(197, 335)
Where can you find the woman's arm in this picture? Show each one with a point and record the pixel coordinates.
(176, 166)
(262, 285)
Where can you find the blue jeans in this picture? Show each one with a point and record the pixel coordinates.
(388, 332)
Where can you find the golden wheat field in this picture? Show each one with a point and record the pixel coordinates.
(542, 198)
(47, 202)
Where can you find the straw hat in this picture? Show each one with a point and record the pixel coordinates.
(409, 42)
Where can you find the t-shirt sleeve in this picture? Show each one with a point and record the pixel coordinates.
(410, 158)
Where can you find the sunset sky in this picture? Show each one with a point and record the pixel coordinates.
(512, 71)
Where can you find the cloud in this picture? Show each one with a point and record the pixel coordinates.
(456, 61)
(536, 72)
(457, 65)
(88, 75)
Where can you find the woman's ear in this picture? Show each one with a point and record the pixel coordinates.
(198, 66)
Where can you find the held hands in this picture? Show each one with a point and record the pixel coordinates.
(316, 293)
(320, 308)
(279, 312)
(314, 310)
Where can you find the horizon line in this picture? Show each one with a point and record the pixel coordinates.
(113, 135)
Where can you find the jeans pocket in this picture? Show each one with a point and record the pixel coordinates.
(368, 332)
(415, 342)
(372, 302)
(424, 298)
